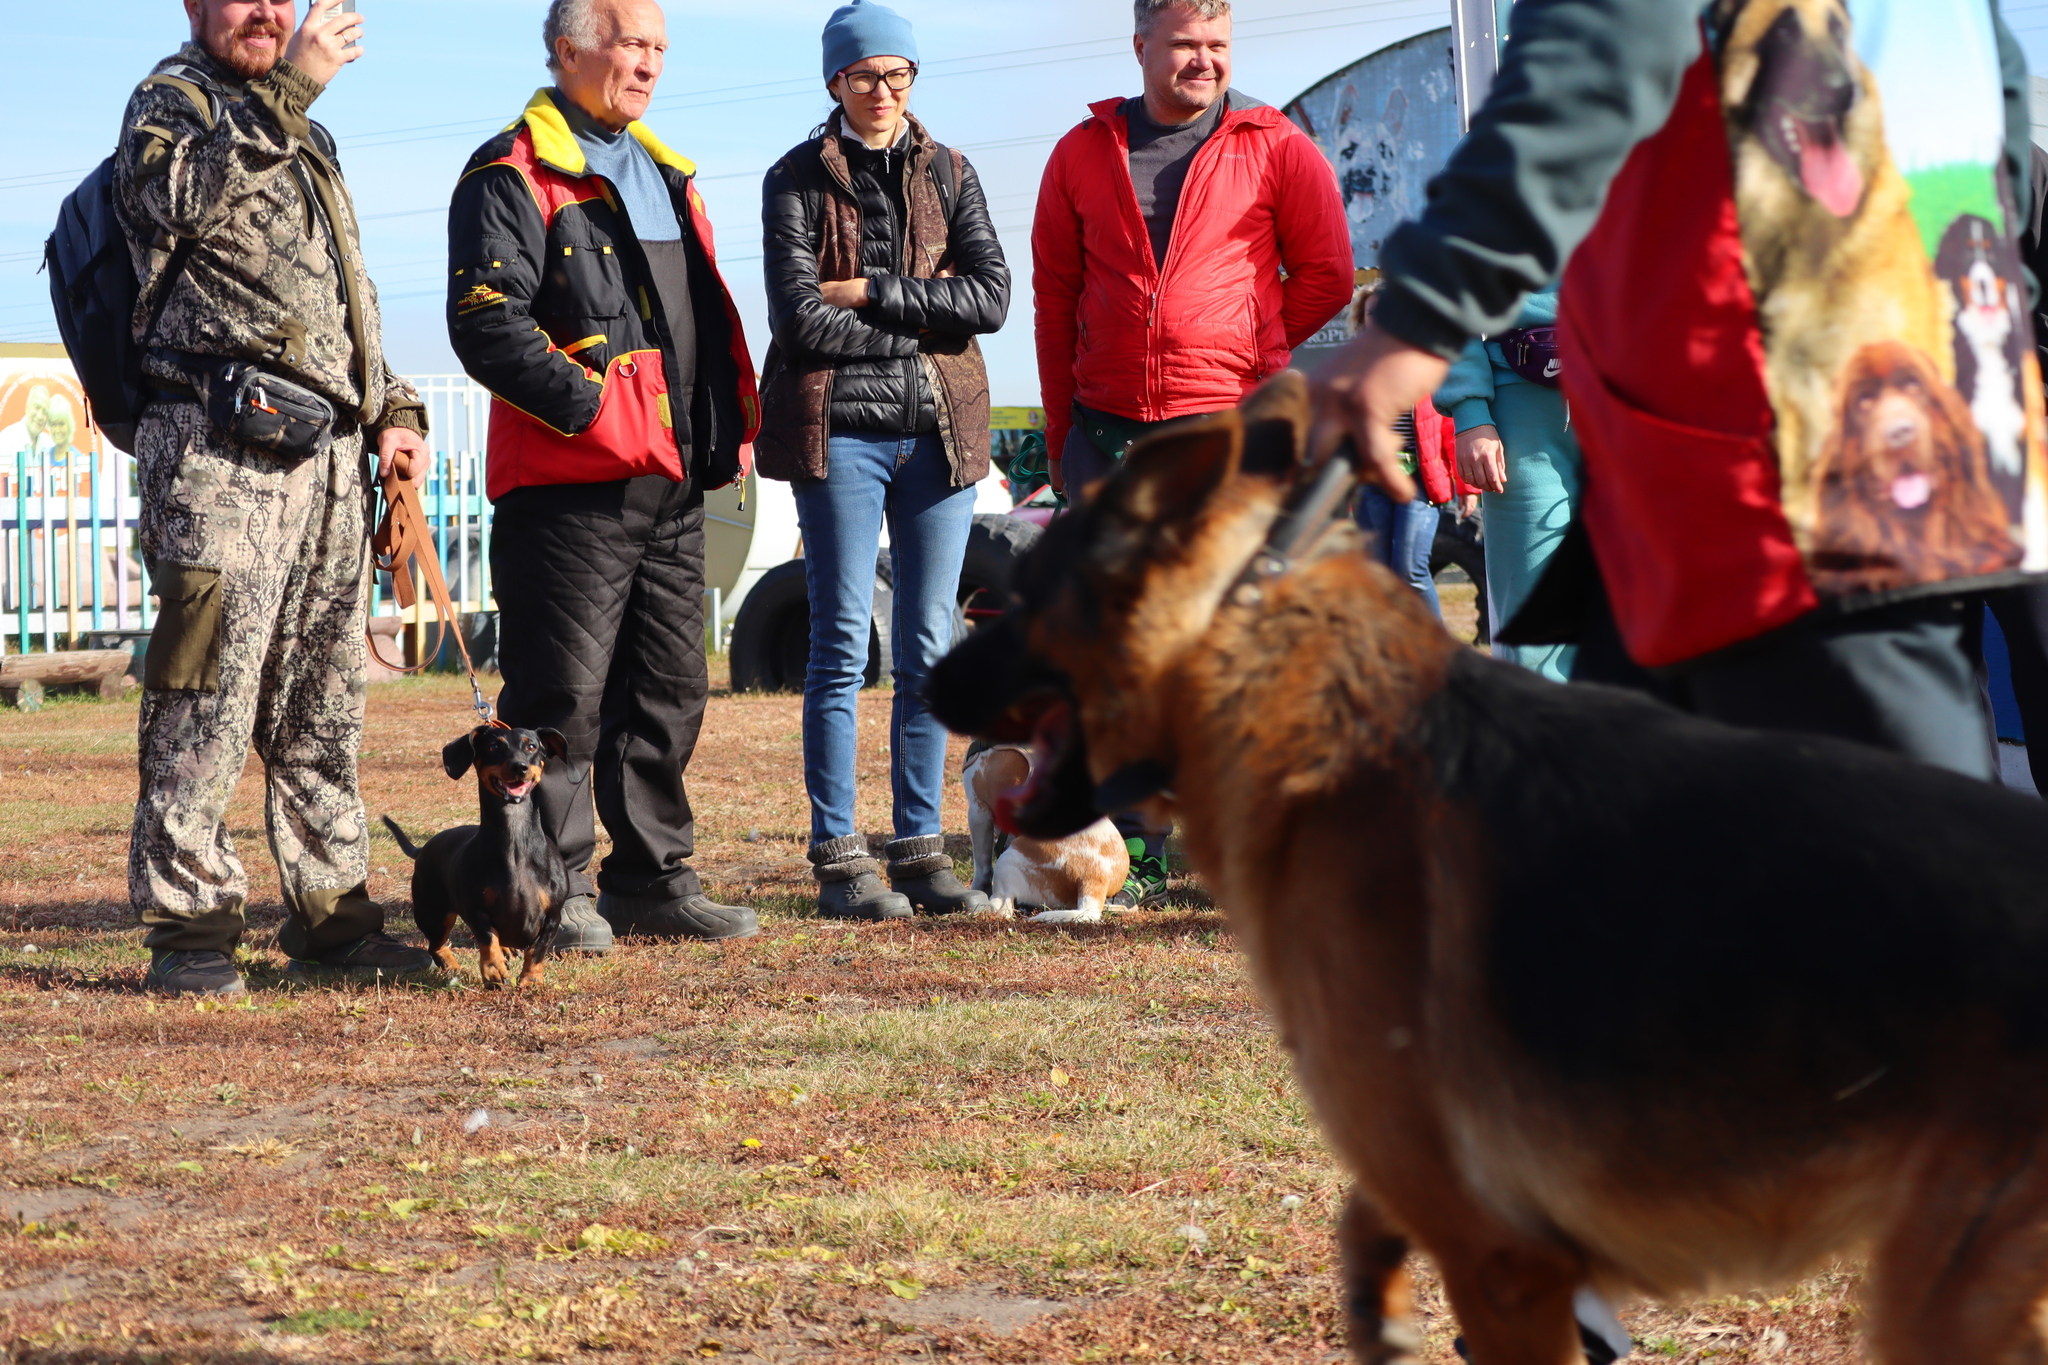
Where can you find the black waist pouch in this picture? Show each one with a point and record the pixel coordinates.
(261, 410)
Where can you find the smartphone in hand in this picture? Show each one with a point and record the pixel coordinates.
(349, 7)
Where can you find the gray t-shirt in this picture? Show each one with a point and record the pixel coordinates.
(1160, 158)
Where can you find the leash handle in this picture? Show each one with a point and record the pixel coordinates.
(403, 539)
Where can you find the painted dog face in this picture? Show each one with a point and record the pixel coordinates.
(1106, 604)
(508, 762)
(1803, 96)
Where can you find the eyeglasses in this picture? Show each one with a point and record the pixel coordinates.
(864, 82)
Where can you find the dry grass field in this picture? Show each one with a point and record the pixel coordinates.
(970, 1140)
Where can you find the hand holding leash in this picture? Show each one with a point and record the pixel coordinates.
(1360, 393)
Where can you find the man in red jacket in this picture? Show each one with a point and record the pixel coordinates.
(1164, 224)
(1147, 313)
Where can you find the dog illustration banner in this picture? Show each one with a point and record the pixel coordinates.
(1879, 235)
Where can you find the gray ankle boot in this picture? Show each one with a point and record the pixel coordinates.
(922, 873)
(850, 885)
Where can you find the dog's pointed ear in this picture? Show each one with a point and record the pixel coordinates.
(1169, 476)
(553, 742)
(1277, 417)
(458, 754)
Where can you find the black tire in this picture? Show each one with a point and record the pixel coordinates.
(1462, 544)
(994, 545)
(771, 639)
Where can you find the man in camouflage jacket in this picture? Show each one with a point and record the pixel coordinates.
(258, 558)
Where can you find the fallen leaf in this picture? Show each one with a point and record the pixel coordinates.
(1060, 1078)
(903, 1289)
(192, 1166)
(750, 1142)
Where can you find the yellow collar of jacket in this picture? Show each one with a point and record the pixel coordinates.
(556, 145)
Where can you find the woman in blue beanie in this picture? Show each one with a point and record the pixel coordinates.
(882, 268)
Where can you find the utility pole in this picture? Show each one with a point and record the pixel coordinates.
(1478, 28)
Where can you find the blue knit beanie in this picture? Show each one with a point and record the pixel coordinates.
(864, 29)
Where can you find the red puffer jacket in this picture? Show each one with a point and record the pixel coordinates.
(1122, 333)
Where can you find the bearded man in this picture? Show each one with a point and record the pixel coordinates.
(255, 300)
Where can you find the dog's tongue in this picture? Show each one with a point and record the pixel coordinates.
(1912, 490)
(1830, 175)
(518, 789)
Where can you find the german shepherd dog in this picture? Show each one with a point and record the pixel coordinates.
(1581, 989)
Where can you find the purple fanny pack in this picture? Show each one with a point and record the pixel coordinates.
(1531, 352)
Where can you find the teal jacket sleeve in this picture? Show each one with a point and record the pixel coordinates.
(1467, 391)
(1581, 83)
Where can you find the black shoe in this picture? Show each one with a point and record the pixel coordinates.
(695, 916)
(922, 874)
(192, 972)
(583, 930)
(369, 958)
(863, 896)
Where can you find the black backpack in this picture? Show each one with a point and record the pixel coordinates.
(94, 289)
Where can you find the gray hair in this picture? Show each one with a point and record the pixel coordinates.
(1145, 11)
(575, 20)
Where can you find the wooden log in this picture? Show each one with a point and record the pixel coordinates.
(23, 677)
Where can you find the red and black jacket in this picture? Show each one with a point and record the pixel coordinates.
(552, 307)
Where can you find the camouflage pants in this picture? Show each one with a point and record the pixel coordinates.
(259, 567)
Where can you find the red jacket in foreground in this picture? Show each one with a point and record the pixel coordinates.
(1122, 333)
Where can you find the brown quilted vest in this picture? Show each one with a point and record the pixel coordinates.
(796, 390)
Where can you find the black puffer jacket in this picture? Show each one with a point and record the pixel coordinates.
(880, 382)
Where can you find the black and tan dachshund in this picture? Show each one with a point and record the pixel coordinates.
(503, 877)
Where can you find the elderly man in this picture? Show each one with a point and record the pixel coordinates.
(1146, 313)
(585, 296)
(241, 230)
(26, 437)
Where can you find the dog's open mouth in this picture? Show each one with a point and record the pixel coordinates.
(1826, 169)
(1057, 799)
(1051, 736)
(512, 791)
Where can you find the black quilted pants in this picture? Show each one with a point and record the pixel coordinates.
(600, 593)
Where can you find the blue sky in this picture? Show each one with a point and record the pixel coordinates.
(1002, 80)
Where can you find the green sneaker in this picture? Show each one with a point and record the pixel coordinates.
(1147, 883)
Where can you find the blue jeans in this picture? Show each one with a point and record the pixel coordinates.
(908, 480)
(1401, 538)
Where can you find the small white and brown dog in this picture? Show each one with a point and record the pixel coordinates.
(1067, 881)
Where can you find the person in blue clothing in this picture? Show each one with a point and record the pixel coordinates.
(1515, 446)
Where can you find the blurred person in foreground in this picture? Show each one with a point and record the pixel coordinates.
(882, 266)
(1187, 239)
(240, 228)
(584, 293)
(1800, 370)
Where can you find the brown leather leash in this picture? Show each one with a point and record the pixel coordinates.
(402, 540)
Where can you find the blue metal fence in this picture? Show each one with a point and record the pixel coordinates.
(71, 565)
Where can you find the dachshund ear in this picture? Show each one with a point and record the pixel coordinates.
(458, 754)
(552, 741)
